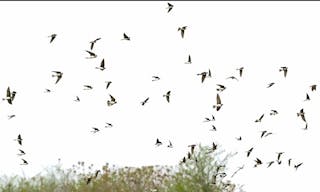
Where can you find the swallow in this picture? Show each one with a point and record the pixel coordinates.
(273, 112)
(21, 152)
(144, 101)
(192, 148)
(270, 163)
(239, 138)
(302, 115)
(279, 162)
(101, 67)
(155, 78)
(19, 139)
(112, 101)
(307, 97)
(11, 116)
(52, 37)
(87, 87)
(158, 142)
(240, 71)
(213, 128)
(285, 70)
(207, 119)
(258, 162)
(279, 155)
(289, 162)
(182, 29)
(263, 133)
(221, 87)
(170, 145)
(93, 42)
(270, 85)
(249, 151)
(209, 73)
(214, 146)
(10, 96)
(57, 74)
(167, 95)
(47, 90)
(170, 6)
(232, 77)
(203, 76)
(297, 166)
(94, 130)
(24, 162)
(259, 120)
(219, 104)
(183, 160)
(108, 84)
(313, 87)
(126, 37)
(108, 125)
(89, 180)
(77, 99)
(91, 54)
(189, 60)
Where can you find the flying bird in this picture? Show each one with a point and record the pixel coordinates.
(144, 101)
(213, 128)
(285, 71)
(52, 37)
(91, 54)
(259, 120)
(170, 145)
(158, 142)
(240, 71)
(10, 96)
(24, 162)
(270, 163)
(297, 166)
(95, 130)
(126, 37)
(249, 151)
(263, 133)
(21, 152)
(57, 74)
(273, 112)
(87, 87)
(258, 162)
(155, 78)
(77, 99)
(203, 76)
(189, 60)
(101, 67)
(108, 125)
(207, 119)
(214, 146)
(270, 85)
(11, 116)
(192, 148)
(19, 139)
(96, 173)
(112, 101)
(239, 138)
(306, 127)
(93, 42)
(182, 29)
(221, 87)
(302, 115)
(219, 104)
(307, 97)
(289, 162)
(313, 87)
(279, 155)
(170, 6)
(47, 90)
(89, 180)
(167, 95)
(232, 77)
(108, 84)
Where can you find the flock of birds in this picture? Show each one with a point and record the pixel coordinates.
(58, 76)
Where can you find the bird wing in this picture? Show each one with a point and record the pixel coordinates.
(125, 36)
(168, 98)
(58, 78)
(112, 98)
(203, 77)
(102, 63)
(182, 33)
(218, 99)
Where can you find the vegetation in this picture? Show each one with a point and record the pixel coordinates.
(201, 172)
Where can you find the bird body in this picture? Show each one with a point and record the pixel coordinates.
(158, 142)
(170, 6)
(52, 37)
(92, 55)
(240, 71)
(285, 71)
(182, 29)
(219, 104)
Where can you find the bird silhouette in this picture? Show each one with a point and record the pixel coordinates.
(213, 128)
(93, 42)
(101, 67)
(182, 29)
(189, 60)
(259, 120)
(279, 155)
(158, 142)
(57, 74)
(270, 85)
(214, 146)
(155, 78)
(77, 99)
(313, 87)
(297, 166)
(249, 151)
(240, 71)
(273, 112)
(221, 87)
(47, 90)
(11, 116)
(170, 145)
(306, 127)
(10, 96)
(95, 130)
(96, 173)
(126, 37)
(219, 104)
(207, 119)
(170, 6)
(232, 77)
(87, 87)
(270, 163)
(88, 180)
(239, 138)
(279, 162)
(302, 115)
(167, 96)
(112, 101)
(52, 37)
(263, 133)
(144, 101)
(289, 162)
(307, 97)
(192, 147)
(92, 55)
(258, 162)
(19, 139)
(108, 84)
(21, 152)
(285, 71)
(24, 162)
(108, 125)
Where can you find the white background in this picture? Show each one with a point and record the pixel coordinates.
(222, 36)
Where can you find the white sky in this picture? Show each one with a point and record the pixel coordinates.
(222, 36)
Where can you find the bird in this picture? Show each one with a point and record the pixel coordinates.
(52, 37)
(108, 125)
(209, 73)
(192, 148)
(87, 87)
(270, 163)
(155, 78)
(213, 128)
(144, 101)
(24, 162)
(112, 101)
(259, 120)
(47, 90)
(313, 87)
(170, 6)
(19, 139)
(285, 70)
(189, 155)
(189, 60)
(108, 84)
(258, 162)
(232, 77)
(279, 155)
(96, 173)
(221, 87)
(170, 145)
(126, 37)
(249, 151)
(167, 95)
(89, 180)
(297, 166)
(93, 42)
(57, 74)
(270, 85)
(240, 71)
(239, 138)
(306, 127)
(101, 67)
(182, 29)
(203, 76)
(263, 133)
(9, 96)
(11, 116)
(91, 54)
(207, 119)
(289, 162)
(273, 112)
(267, 134)
(21, 152)
(302, 115)
(279, 162)
(158, 142)
(214, 146)
(307, 97)
(77, 99)
(183, 160)
(95, 130)
(219, 104)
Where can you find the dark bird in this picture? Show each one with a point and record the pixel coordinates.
(279, 162)
(10, 96)
(259, 120)
(249, 151)
(214, 146)
(91, 55)
(155, 78)
(108, 84)
(207, 119)
(21, 152)
(112, 101)
(258, 162)
(170, 145)
(189, 155)
(108, 125)
(96, 173)
(239, 138)
(297, 166)
(279, 155)
(24, 162)
(273, 112)
(126, 37)
(232, 77)
(270, 163)
(213, 128)
(209, 73)
(182, 29)
(77, 99)
(285, 70)
(307, 97)
(313, 87)
(203, 76)
(302, 115)
(240, 71)
(289, 162)
(93, 42)
(219, 104)
(101, 67)
(144, 101)
(221, 87)
(167, 95)
(192, 148)
(87, 87)
(52, 37)
(270, 85)
(263, 133)
(11, 116)
(89, 180)
(19, 139)
(94, 130)
(183, 160)
(57, 74)
(158, 142)
(189, 60)
(47, 90)
(170, 6)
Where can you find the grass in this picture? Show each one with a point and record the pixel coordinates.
(202, 172)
